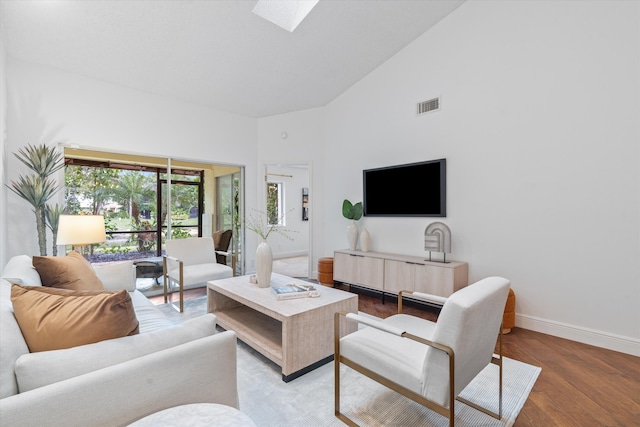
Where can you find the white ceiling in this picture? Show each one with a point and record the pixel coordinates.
(217, 52)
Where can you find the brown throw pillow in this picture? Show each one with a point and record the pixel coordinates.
(53, 319)
(68, 272)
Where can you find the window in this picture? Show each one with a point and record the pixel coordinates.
(131, 191)
(129, 196)
(275, 203)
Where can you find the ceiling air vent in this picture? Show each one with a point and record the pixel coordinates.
(428, 106)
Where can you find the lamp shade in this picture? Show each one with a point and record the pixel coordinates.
(80, 230)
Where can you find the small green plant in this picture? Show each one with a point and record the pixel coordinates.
(351, 211)
(115, 249)
(179, 232)
(52, 217)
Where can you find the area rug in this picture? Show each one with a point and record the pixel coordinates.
(193, 307)
(308, 400)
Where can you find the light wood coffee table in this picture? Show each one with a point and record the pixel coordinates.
(296, 334)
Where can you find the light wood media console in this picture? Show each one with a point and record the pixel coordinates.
(391, 273)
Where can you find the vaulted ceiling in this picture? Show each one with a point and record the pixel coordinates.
(218, 53)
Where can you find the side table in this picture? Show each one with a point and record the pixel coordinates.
(149, 267)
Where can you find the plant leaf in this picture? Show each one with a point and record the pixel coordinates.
(52, 216)
(357, 211)
(347, 209)
(351, 211)
(34, 189)
(41, 159)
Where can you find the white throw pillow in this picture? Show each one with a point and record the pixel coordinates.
(19, 270)
(116, 276)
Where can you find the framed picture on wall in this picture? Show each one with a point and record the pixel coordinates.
(305, 204)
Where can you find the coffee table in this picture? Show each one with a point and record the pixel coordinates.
(296, 334)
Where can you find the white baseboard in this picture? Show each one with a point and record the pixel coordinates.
(606, 340)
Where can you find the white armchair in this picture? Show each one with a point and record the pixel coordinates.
(431, 363)
(190, 263)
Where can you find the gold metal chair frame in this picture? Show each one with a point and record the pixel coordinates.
(418, 398)
(167, 281)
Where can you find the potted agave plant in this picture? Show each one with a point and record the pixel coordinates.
(37, 187)
(354, 213)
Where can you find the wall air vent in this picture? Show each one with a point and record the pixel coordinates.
(428, 106)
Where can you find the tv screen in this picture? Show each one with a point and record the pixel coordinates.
(415, 189)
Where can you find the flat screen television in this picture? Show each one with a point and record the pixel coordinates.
(414, 189)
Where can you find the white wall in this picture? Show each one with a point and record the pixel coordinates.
(46, 105)
(539, 125)
(304, 144)
(3, 152)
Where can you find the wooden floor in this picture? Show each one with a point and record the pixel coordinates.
(580, 385)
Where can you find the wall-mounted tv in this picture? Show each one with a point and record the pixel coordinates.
(414, 189)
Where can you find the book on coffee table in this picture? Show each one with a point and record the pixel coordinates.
(291, 291)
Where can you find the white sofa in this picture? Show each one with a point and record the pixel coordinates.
(113, 382)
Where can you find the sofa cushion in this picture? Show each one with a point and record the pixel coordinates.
(12, 343)
(19, 270)
(403, 359)
(201, 273)
(68, 272)
(53, 319)
(116, 275)
(150, 317)
(39, 369)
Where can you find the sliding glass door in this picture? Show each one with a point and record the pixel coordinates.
(146, 200)
(227, 214)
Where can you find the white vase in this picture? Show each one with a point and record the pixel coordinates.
(264, 264)
(352, 235)
(365, 240)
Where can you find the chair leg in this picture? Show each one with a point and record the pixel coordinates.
(500, 368)
(164, 277)
(495, 361)
(336, 365)
(181, 289)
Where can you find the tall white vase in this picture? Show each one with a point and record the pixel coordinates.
(264, 264)
(365, 240)
(352, 235)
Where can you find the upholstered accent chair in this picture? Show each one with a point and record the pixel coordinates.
(429, 362)
(190, 263)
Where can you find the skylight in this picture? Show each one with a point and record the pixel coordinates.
(287, 14)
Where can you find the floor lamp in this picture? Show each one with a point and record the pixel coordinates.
(81, 230)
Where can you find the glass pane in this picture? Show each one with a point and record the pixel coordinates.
(274, 203)
(127, 199)
(175, 178)
(185, 217)
(228, 197)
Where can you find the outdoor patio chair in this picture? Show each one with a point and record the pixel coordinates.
(221, 242)
(190, 263)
